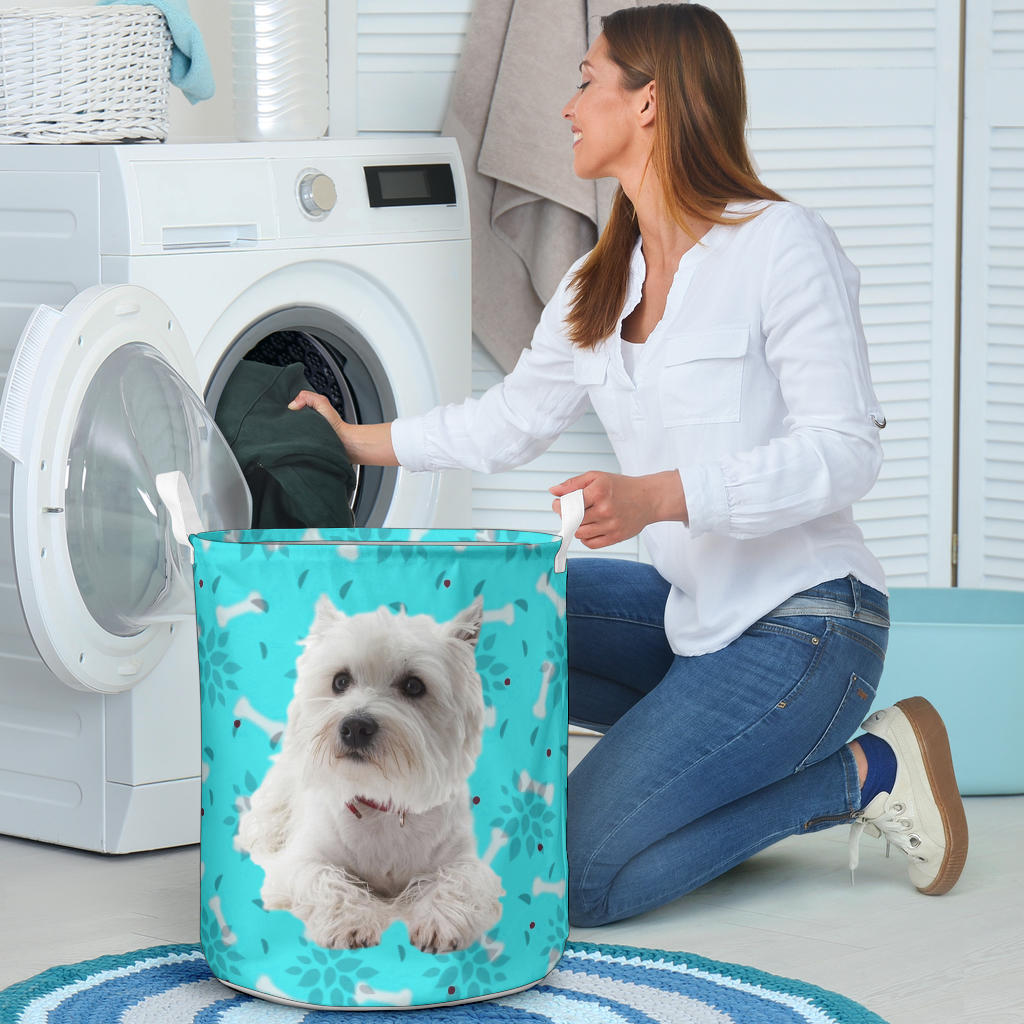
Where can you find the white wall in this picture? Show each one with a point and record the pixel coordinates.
(211, 119)
(991, 528)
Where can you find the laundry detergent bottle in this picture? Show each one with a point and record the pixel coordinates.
(279, 49)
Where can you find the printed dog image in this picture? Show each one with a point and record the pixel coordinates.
(364, 816)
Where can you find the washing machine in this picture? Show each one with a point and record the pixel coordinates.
(133, 282)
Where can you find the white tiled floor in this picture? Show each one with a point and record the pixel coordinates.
(955, 959)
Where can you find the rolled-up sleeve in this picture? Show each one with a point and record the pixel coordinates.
(511, 423)
(829, 454)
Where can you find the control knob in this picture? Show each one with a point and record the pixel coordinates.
(317, 194)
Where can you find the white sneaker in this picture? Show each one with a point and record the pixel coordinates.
(923, 815)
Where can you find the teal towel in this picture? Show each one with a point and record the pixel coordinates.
(190, 66)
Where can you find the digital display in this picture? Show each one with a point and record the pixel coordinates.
(402, 183)
(410, 185)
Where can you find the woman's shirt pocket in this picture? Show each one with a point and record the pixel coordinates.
(590, 370)
(702, 379)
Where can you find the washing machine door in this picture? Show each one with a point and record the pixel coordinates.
(101, 398)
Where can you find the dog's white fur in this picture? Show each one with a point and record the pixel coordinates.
(349, 876)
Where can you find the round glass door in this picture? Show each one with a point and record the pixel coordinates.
(103, 397)
(139, 418)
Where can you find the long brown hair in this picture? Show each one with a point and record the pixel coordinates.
(699, 152)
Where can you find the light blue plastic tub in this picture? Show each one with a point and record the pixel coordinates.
(964, 651)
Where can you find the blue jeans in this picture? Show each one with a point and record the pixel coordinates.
(708, 759)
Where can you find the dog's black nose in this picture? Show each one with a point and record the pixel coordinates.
(357, 731)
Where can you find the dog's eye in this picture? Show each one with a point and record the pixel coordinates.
(412, 686)
(341, 682)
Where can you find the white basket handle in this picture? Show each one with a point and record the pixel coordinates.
(175, 494)
(571, 505)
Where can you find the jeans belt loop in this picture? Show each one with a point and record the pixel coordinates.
(855, 587)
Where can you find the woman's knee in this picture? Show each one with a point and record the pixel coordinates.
(592, 867)
(585, 914)
(610, 586)
(615, 624)
(587, 892)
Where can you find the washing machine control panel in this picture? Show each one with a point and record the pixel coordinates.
(317, 193)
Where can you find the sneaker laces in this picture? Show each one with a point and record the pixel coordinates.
(892, 823)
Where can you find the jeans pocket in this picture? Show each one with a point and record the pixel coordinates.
(798, 628)
(852, 710)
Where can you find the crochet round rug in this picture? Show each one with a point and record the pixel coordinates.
(591, 984)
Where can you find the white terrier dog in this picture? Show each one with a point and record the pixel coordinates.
(364, 816)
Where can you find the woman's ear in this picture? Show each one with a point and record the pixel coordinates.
(647, 104)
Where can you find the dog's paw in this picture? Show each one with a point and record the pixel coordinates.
(436, 933)
(275, 896)
(331, 935)
(435, 938)
(276, 900)
(454, 911)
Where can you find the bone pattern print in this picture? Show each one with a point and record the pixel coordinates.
(254, 603)
(545, 790)
(544, 587)
(265, 984)
(367, 995)
(228, 937)
(493, 946)
(245, 712)
(498, 840)
(506, 615)
(540, 887)
(540, 708)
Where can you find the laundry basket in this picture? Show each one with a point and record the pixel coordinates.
(384, 762)
(84, 74)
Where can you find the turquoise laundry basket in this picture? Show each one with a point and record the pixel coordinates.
(384, 761)
(963, 649)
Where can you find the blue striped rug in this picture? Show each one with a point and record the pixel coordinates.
(591, 984)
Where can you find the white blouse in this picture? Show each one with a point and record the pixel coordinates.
(754, 385)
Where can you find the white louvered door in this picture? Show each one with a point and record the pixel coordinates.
(853, 111)
(397, 61)
(991, 526)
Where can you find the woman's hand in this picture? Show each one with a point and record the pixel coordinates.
(322, 404)
(618, 507)
(365, 444)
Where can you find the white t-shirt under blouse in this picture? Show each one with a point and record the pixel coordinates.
(754, 385)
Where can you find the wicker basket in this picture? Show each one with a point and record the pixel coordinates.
(83, 74)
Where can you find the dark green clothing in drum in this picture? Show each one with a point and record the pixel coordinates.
(293, 462)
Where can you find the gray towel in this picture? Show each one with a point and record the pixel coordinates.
(531, 216)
